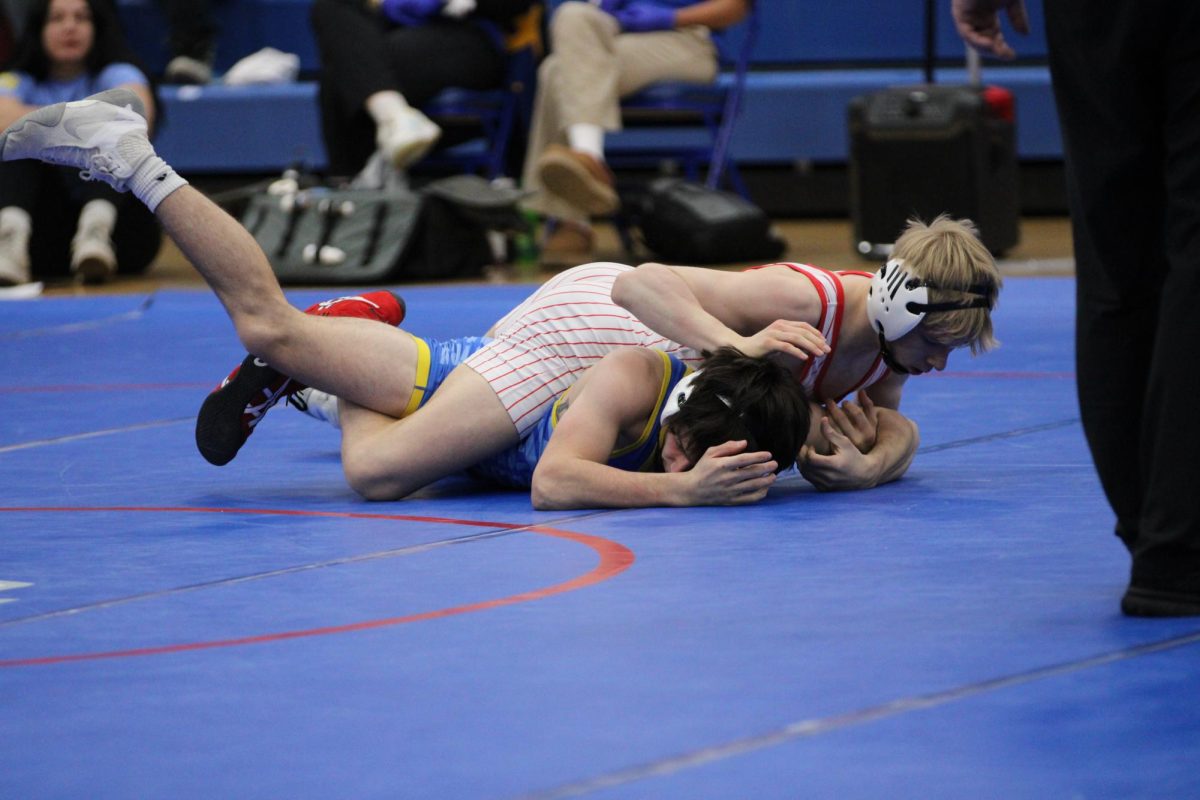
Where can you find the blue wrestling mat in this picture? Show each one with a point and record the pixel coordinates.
(170, 629)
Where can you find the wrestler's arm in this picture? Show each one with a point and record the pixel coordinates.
(842, 466)
(886, 393)
(758, 312)
(618, 393)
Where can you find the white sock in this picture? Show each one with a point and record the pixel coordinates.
(386, 106)
(586, 138)
(100, 214)
(153, 180)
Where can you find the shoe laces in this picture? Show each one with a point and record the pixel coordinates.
(100, 165)
(254, 412)
(297, 400)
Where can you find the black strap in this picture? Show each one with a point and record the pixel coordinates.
(955, 305)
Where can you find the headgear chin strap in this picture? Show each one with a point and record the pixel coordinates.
(897, 300)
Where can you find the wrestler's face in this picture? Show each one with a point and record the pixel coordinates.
(673, 457)
(919, 353)
(68, 34)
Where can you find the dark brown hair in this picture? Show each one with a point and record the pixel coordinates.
(739, 397)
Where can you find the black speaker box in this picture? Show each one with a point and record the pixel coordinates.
(930, 149)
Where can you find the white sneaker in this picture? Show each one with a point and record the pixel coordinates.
(407, 137)
(92, 256)
(14, 258)
(103, 135)
(321, 406)
(188, 71)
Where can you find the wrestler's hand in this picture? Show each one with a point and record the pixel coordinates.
(726, 475)
(859, 422)
(786, 337)
(844, 468)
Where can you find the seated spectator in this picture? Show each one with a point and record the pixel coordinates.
(51, 223)
(600, 52)
(191, 38)
(383, 59)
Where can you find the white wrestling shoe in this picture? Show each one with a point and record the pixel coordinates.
(103, 135)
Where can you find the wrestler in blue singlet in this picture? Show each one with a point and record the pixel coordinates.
(514, 467)
(437, 358)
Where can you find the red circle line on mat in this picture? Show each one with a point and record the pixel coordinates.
(615, 558)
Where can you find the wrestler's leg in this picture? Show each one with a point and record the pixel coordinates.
(463, 423)
(361, 360)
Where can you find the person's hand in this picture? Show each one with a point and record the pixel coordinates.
(726, 475)
(845, 467)
(859, 422)
(797, 339)
(637, 17)
(410, 12)
(978, 23)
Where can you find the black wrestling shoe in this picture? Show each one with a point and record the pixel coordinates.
(232, 411)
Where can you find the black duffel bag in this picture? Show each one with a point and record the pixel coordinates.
(689, 223)
(364, 236)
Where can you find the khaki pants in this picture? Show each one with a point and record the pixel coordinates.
(592, 66)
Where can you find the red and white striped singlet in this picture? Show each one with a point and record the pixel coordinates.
(568, 324)
(833, 305)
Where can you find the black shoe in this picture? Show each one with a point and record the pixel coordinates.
(1164, 582)
(1141, 601)
(231, 411)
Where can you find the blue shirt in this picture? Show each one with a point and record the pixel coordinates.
(27, 90)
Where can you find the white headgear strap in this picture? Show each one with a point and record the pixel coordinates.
(679, 395)
(893, 300)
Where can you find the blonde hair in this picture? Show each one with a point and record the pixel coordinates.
(949, 254)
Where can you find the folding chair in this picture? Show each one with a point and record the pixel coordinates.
(499, 113)
(713, 107)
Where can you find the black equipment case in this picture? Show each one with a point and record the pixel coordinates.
(929, 149)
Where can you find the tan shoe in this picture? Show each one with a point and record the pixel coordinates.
(567, 244)
(581, 179)
(93, 259)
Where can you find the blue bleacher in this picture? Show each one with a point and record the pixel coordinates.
(812, 58)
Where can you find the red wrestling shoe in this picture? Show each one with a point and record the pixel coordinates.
(231, 412)
(381, 306)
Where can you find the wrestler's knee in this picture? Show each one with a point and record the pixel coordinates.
(368, 477)
(266, 331)
(571, 17)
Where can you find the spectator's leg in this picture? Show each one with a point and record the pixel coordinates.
(354, 66)
(1119, 256)
(19, 189)
(1166, 555)
(192, 33)
(1136, 224)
